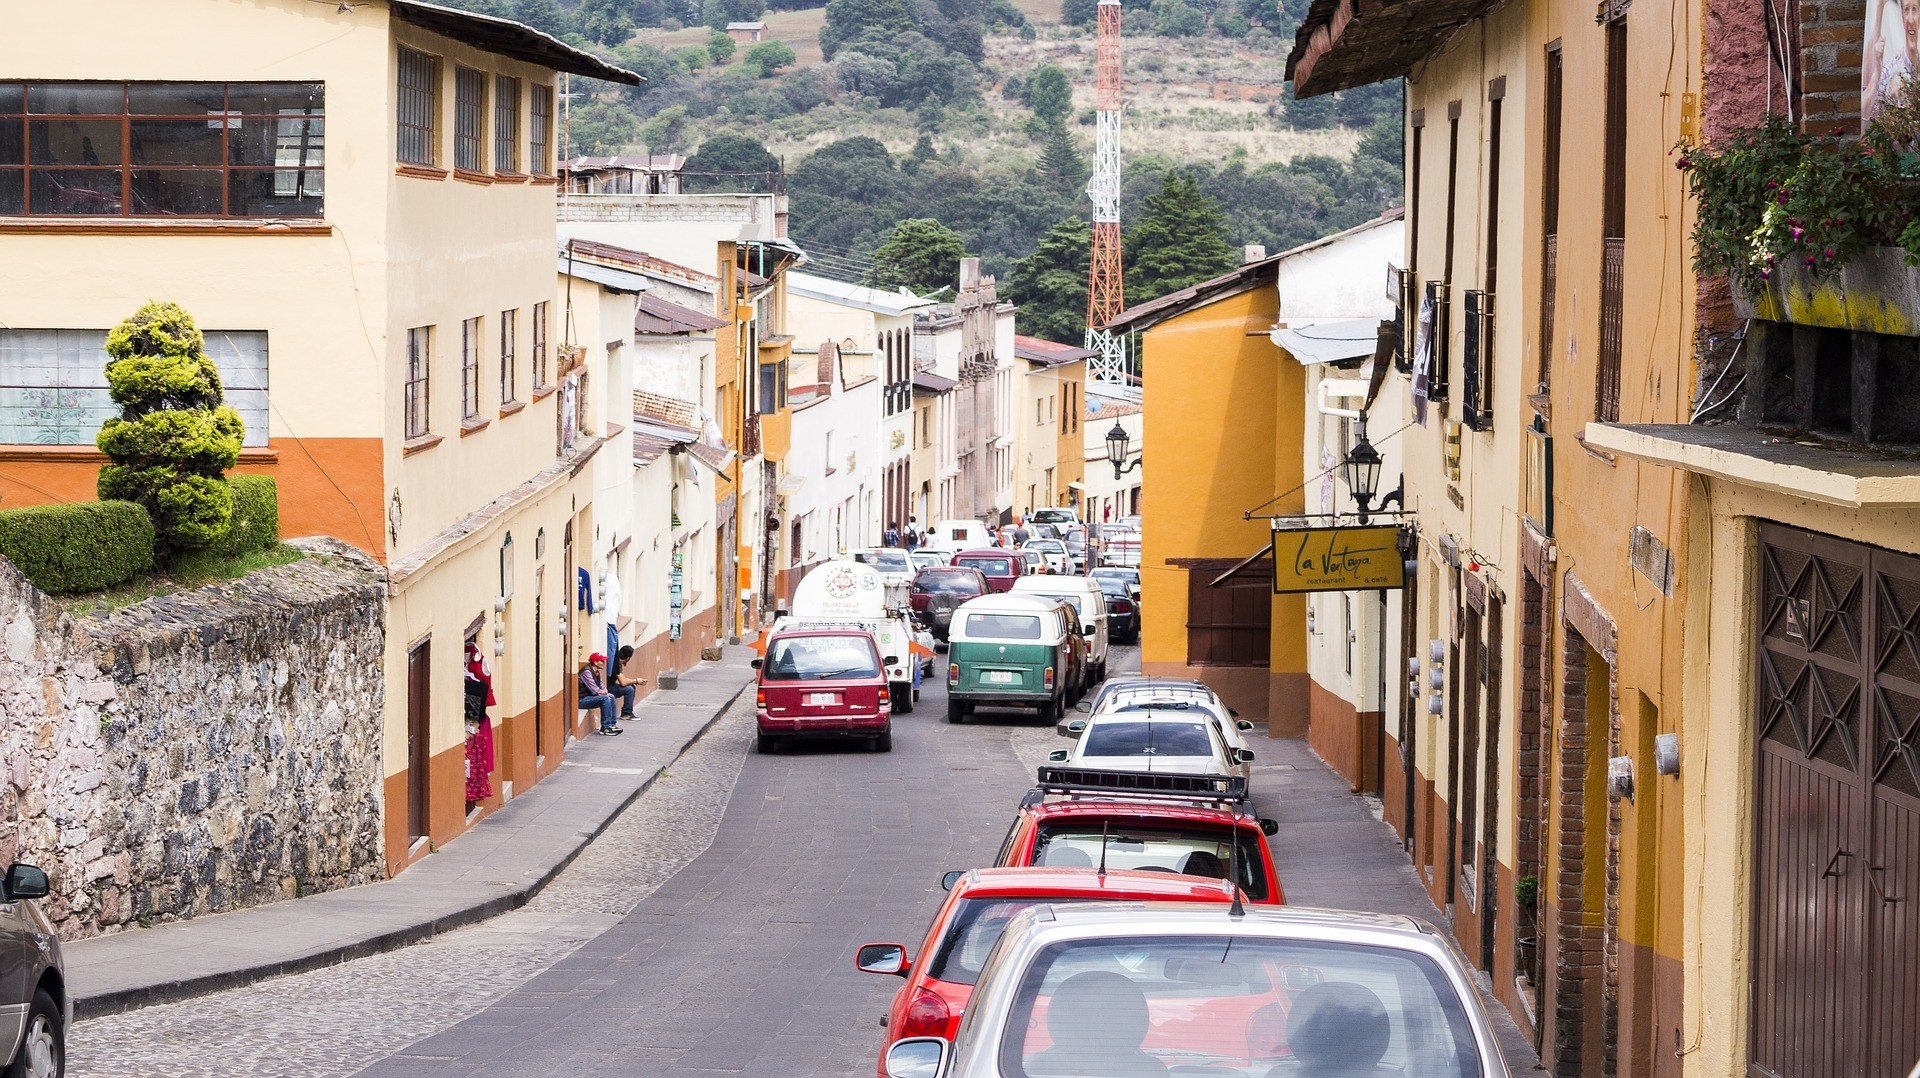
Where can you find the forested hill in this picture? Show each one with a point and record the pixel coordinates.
(974, 118)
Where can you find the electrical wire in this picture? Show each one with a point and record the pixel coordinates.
(1250, 513)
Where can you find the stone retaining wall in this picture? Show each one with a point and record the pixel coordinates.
(198, 752)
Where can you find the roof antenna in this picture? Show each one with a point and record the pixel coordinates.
(1102, 873)
(1235, 909)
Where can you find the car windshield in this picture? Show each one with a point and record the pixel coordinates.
(1050, 516)
(992, 566)
(1050, 546)
(947, 584)
(1116, 588)
(1004, 626)
(975, 927)
(1240, 1005)
(1192, 851)
(887, 561)
(1145, 738)
(819, 658)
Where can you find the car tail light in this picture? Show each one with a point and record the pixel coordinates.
(1122, 606)
(1047, 678)
(927, 1016)
(760, 699)
(953, 673)
(886, 696)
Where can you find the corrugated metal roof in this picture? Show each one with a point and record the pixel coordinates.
(504, 37)
(1051, 353)
(619, 280)
(924, 382)
(657, 317)
(877, 300)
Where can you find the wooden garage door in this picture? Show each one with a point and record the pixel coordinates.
(1837, 811)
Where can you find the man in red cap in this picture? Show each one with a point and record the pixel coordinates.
(593, 693)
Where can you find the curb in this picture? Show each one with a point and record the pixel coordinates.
(130, 999)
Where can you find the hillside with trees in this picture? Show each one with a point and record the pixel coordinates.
(975, 117)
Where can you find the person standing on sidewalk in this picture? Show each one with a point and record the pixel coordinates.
(595, 694)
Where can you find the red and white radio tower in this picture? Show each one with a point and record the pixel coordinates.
(1105, 290)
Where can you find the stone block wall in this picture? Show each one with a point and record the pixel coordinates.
(198, 752)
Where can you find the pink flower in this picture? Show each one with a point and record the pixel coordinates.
(1765, 274)
(1810, 260)
(1828, 253)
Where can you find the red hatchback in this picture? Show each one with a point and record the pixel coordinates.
(941, 980)
(1000, 567)
(1148, 836)
(823, 683)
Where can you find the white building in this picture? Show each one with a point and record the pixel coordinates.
(1106, 497)
(829, 498)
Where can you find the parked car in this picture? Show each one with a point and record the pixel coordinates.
(1032, 561)
(1014, 651)
(927, 559)
(1058, 514)
(1159, 740)
(979, 904)
(1130, 575)
(1165, 695)
(1120, 546)
(937, 590)
(1054, 551)
(1149, 989)
(1075, 539)
(1123, 610)
(823, 683)
(1130, 682)
(1088, 602)
(35, 1010)
(1066, 823)
(1000, 567)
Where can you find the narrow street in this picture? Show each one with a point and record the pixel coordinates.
(710, 930)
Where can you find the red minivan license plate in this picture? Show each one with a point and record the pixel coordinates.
(822, 699)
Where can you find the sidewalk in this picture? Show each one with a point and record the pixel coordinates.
(497, 866)
(1333, 851)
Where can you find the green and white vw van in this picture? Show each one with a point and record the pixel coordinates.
(1012, 651)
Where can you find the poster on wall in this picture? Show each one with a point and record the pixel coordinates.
(1890, 53)
(676, 581)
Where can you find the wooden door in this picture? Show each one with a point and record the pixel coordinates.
(419, 735)
(1836, 945)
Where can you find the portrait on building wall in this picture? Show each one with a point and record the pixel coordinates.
(1890, 54)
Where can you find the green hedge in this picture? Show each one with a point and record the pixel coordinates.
(81, 546)
(256, 515)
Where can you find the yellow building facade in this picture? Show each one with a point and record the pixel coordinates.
(372, 243)
(1206, 352)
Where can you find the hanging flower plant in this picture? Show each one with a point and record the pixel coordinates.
(1771, 196)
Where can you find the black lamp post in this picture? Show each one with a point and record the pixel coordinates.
(1117, 450)
(1362, 470)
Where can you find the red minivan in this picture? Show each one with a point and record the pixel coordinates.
(823, 682)
(1000, 567)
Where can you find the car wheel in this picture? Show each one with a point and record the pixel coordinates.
(1050, 712)
(904, 699)
(765, 744)
(884, 743)
(956, 712)
(43, 1052)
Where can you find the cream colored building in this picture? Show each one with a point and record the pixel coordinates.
(367, 235)
(1048, 415)
(1109, 497)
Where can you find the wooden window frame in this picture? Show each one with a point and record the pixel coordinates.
(540, 129)
(506, 125)
(1613, 222)
(469, 369)
(425, 97)
(509, 356)
(18, 181)
(1554, 101)
(469, 120)
(419, 383)
(541, 370)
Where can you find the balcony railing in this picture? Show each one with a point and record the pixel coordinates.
(1439, 374)
(1613, 259)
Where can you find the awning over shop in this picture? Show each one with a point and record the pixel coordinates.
(1329, 342)
(1081, 487)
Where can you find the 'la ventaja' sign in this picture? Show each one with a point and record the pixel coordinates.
(1365, 558)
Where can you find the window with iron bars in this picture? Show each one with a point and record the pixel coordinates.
(1476, 362)
(1439, 380)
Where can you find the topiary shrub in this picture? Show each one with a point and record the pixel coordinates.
(175, 437)
(81, 546)
(256, 515)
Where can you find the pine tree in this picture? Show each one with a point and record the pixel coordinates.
(1049, 93)
(1060, 161)
(1050, 285)
(920, 254)
(1180, 239)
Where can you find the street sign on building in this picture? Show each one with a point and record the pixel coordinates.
(1362, 558)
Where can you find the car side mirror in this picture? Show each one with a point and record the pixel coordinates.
(1244, 726)
(951, 877)
(1057, 756)
(1245, 755)
(757, 663)
(1268, 827)
(26, 881)
(1085, 707)
(917, 1057)
(1073, 728)
(891, 660)
(887, 958)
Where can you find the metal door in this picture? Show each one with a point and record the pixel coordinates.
(1836, 950)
